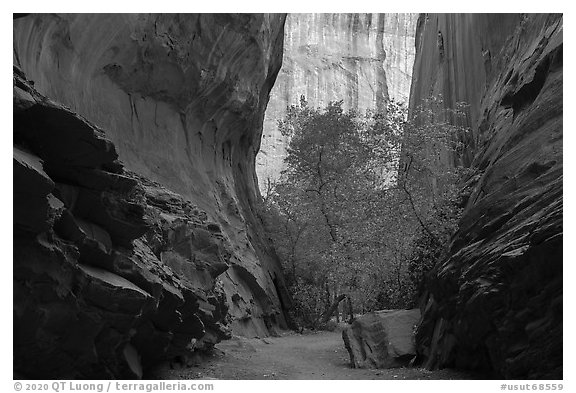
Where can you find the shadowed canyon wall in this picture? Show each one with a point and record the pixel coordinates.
(496, 302)
(363, 59)
(135, 232)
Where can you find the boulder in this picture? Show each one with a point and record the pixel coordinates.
(382, 339)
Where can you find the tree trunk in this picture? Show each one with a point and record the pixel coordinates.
(326, 297)
(326, 317)
(350, 310)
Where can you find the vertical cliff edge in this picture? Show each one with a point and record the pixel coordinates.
(135, 233)
(362, 59)
(495, 303)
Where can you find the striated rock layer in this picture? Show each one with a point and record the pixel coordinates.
(120, 263)
(496, 302)
(363, 59)
(98, 290)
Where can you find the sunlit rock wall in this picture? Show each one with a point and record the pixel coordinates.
(363, 59)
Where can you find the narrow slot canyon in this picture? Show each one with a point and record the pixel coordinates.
(288, 196)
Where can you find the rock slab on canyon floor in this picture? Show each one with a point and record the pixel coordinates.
(382, 339)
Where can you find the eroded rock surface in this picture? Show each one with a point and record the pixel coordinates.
(120, 264)
(92, 295)
(182, 98)
(362, 59)
(382, 339)
(496, 302)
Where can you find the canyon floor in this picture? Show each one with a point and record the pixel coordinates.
(312, 355)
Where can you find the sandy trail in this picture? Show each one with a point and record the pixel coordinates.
(314, 355)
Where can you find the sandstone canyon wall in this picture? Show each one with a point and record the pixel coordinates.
(135, 236)
(496, 302)
(363, 59)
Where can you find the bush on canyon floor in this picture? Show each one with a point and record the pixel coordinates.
(364, 207)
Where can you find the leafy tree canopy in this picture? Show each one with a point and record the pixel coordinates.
(365, 206)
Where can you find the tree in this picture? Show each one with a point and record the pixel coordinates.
(349, 221)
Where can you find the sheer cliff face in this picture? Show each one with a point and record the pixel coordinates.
(180, 100)
(454, 62)
(496, 302)
(363, 59)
